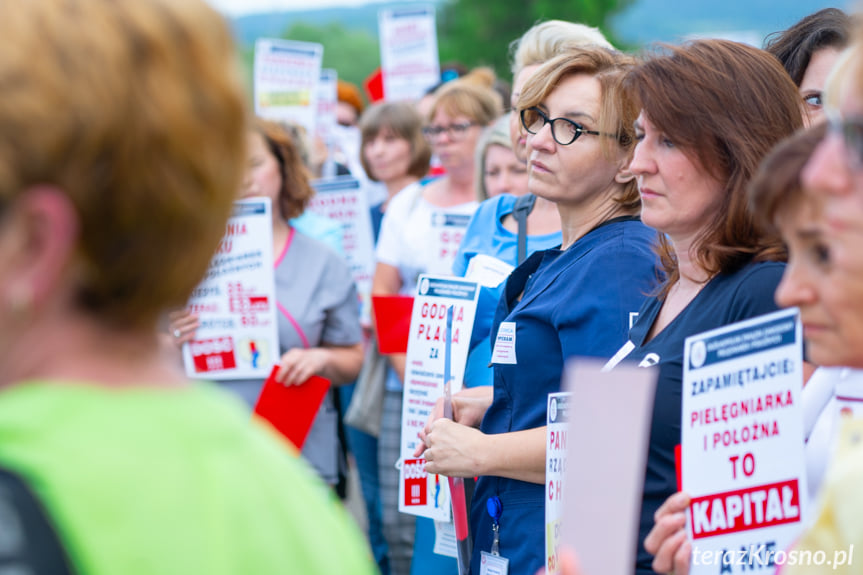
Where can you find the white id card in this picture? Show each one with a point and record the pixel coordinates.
(504, 344)
(493, 564)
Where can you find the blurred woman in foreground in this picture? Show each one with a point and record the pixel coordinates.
(114, 200)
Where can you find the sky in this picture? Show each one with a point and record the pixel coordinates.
(240, 7)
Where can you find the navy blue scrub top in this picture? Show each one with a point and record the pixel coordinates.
(727, 298)
(576, 302)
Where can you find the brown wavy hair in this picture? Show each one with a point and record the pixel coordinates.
(296, 190)
(776, 187)
(725, 105)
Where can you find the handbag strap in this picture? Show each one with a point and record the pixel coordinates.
(523, 207)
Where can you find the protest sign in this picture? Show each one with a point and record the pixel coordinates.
(286, 81)
(742, 458)
(326, 120)
(605, 452)
(409, 54)
(236, 302)
(420, 493)
(557, 427)
(343, 200)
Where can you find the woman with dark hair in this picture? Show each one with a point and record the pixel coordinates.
(699, 144)
(318, 320)
(808, 50)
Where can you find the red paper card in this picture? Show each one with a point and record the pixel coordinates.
(677, 465)
(291, 409)
(392, 322)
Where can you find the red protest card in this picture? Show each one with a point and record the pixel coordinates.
(291, 409)
(392, 322)
(677, 465)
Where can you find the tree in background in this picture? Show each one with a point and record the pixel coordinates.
(478, 32)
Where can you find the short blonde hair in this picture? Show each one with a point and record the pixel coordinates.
(842, 70)
(495, 135)
(471, 95)
(135, 111)
(545, 40)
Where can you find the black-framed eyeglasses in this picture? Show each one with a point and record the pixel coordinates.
(454, 131)
(851, 132)
(563, 130)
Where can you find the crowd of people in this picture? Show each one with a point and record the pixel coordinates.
(622, 202)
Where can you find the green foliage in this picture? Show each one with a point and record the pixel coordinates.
(478, 32)
(354, 53)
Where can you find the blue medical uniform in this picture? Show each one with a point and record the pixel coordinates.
(486, 235)
(575, 302)
(725, 299)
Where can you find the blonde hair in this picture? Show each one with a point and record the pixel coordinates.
(545, 40)
(495, 135)
(842, 70)
(471, 95)
(135, 111)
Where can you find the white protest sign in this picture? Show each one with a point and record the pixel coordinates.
(742, 456)
(557, 426)
(420, 493)
(344, 200)
(447, 233)
(610, 413)
(236, 302)
(286, 81)
(409, 54)
(326, 119)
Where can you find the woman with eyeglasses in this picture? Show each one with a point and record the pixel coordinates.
(573, 300)
(699, 145)
(420, 234)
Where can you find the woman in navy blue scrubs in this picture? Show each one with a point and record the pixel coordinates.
(710, 111)
(574, 300)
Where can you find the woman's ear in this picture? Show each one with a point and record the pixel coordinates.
(623, 175)
(47, 234)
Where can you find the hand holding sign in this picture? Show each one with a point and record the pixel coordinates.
(667, 540)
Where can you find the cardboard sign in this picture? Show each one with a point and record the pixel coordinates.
(424, 383)
(742, 458)
(286, 81)
(409, 54)
(236, 302)
(609, 413)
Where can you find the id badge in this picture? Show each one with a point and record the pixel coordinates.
(493, 564)
(504, 345)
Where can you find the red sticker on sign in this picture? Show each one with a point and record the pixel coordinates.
(213, 354)
(416, 480)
